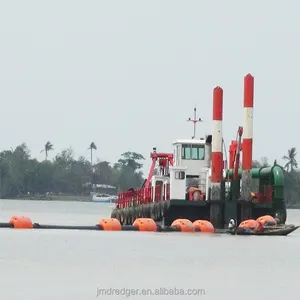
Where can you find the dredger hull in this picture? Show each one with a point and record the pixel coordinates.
(217, 212)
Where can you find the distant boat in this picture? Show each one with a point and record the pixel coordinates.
(103, 198)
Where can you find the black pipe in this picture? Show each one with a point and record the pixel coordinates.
(6, 225)
(74, 227)
(167, 228)
(129, 228)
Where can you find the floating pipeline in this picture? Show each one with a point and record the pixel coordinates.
(112, 224)
(148, 224)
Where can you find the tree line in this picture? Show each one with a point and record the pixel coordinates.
(20, 174)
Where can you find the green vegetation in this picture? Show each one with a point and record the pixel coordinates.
(21, 174)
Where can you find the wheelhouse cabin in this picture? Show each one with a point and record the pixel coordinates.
(190, 153)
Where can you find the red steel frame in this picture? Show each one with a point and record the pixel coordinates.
(145, 194)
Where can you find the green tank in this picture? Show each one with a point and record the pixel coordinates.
(268, 184)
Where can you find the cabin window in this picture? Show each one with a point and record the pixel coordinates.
(193, 152)
(180, 175)
(178, 153)
(186, 152)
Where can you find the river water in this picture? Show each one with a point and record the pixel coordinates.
(83, 265)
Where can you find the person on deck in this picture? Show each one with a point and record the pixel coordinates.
(232, 225)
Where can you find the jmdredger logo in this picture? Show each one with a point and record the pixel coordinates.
(150, 292)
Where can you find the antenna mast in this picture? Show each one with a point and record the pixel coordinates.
(195, 121)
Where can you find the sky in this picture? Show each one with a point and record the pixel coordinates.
(127, 74)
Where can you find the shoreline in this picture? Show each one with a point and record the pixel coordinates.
(88, 199)
(54, 198)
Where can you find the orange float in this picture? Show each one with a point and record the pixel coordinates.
(204, 226)
(251, 224)
(184, 225)
(267, 220)
(145, 224)
(111, 224)
(21, 222)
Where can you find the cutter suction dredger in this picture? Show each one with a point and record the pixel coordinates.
(195, 182)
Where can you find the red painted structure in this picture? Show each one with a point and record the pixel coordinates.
(164, 160)
(147, 193)
(248, 122)
(265, 194)
(217, 142)
(232, 153)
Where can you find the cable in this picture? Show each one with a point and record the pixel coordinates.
(225, 152)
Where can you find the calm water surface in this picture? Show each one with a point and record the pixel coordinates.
(65, 265)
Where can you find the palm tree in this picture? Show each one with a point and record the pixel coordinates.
(291, 160)
(48, 147)
(92, 147)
